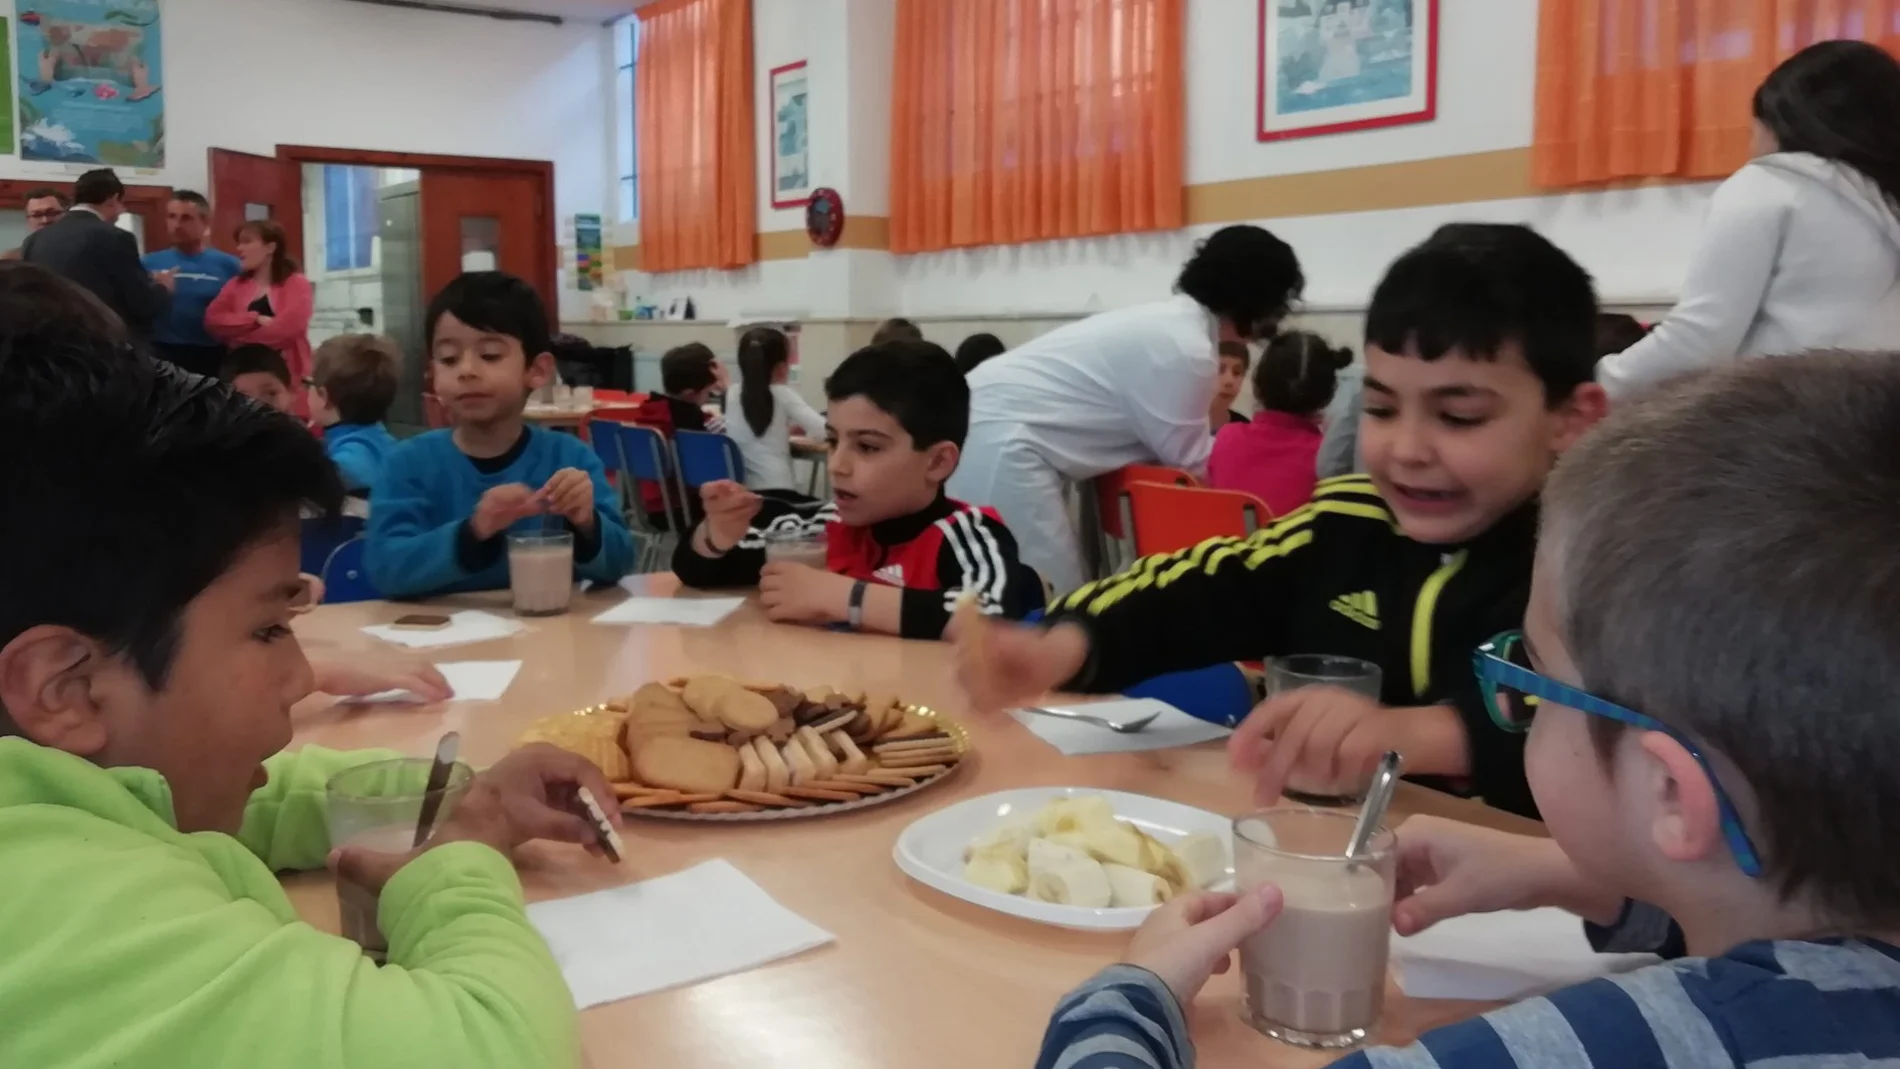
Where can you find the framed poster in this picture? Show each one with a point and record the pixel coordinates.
(791, 137)
(91, 75)
(1330, 66)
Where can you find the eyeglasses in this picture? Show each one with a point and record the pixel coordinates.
(48, 215)
(1512, 691)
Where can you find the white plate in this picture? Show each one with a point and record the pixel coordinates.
(931, 850)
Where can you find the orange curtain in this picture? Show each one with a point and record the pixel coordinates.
(1026, 120)
(694, 105)
(1639, 88)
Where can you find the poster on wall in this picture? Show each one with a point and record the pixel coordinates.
(791, 141)
(90, 75)
(590, 266)
(7, 144)
(1330, 66)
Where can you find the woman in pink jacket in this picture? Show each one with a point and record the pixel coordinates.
(268, 303)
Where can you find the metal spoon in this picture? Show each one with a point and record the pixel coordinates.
(1121, 727)
(1372, 813)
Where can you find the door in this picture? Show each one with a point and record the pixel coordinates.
(246, 187)
(485, 221)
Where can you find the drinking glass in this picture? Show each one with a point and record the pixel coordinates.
(1315, 669)
(376, 806)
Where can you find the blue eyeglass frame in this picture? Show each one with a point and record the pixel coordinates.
(1495, 670)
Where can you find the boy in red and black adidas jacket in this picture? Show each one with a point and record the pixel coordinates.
(899, 554)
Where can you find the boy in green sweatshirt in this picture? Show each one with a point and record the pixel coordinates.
(148, 555)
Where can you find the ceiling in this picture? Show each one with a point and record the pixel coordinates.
(581, 11)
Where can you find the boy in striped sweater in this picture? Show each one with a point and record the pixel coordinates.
(1715, 735)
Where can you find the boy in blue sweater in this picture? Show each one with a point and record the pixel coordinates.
(353, 381)
(440, 516)
(1709, 691)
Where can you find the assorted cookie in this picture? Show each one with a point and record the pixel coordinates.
(711, 744)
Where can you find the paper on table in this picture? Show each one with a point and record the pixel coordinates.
(1503, 956)
(1172, 728)
(469, 625)
(692, 612)
(471, 681)
(706, 922)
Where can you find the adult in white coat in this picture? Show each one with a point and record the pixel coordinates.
(1801, 249)
(1124, 387)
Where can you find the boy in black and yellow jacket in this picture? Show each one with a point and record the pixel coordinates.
(1479, 372)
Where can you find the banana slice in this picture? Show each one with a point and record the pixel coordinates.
(1074, 814)
(1111, 841)
(1046, 854)
(1013, 834)
(998, 872)
(1133, 887)
(1205, 857)
(1072, 883)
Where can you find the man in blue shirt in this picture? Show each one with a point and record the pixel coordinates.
(179, 334)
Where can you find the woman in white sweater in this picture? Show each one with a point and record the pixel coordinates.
(1801, 249)
(768, 410)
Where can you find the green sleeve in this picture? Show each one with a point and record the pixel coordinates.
(284, 821)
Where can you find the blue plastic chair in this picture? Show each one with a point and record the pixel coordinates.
(345, 577)
(321, 537)
(644, 455)
(706, 457)
(604, 436)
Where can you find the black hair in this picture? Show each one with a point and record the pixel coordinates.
(1617, 332)
(193, 198)
(498, 303)
(1474, 287)
(96, 187)
(1246, 276)
(160, 481)
(1299, 373)
(977, 348)
(916, 382)
(1837, 100)
(247, 359)
(896, 329)
(688, 367)
(761, 351)
(48, 191)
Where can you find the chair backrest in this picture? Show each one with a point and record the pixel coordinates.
(1111, 492)
(604, 436)
(706, 457)
(1171, 518)
(322, 536)
(345, 578)
(629, 413)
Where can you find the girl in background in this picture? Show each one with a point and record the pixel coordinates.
(269, 303)
(976, 349)
(768, 410)
(1273, 457)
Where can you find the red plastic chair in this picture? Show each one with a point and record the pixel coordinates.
(1111, 492)
(1167, 519)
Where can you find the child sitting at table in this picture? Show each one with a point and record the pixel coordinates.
(1235, 358)
(899, 554)
(690, 378)
(259, 373)
(1479, 365)
(440, 516)
(353, 382)
(1713, 746)
(147, 673)
(1272, 457)
(768, 410)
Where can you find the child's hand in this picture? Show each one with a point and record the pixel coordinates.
(730, 509)
(1193, 937)
(569, 494)
(1002, 665)
(360, 675)
(1330, 734)
(501, 508)
(800, 594)
(1447, 869)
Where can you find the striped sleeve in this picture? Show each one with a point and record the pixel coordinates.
(1224, 600)
(977, 558)
(1124, 1018)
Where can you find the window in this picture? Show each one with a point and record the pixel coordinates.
(349, 217)
(626, 59)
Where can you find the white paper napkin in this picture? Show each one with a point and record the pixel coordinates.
(700, 924)
(470, 681)
(469, 625)
(1172, 728)
(1503, 956)
(691, 612)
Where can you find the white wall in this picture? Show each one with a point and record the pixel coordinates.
(253, 74)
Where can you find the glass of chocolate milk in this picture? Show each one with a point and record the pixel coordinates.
(799, 547)
(1316, 669)
(541, 571)
(375, 806)
(1316, 976)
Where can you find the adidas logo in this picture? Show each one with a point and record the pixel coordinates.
(890, 573)
(1361, 608)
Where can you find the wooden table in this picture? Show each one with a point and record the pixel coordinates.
(915, 977)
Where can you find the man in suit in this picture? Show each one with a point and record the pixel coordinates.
(86, 246)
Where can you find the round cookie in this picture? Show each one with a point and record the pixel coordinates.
(745, 710)
(702, 692)
(687, 765)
